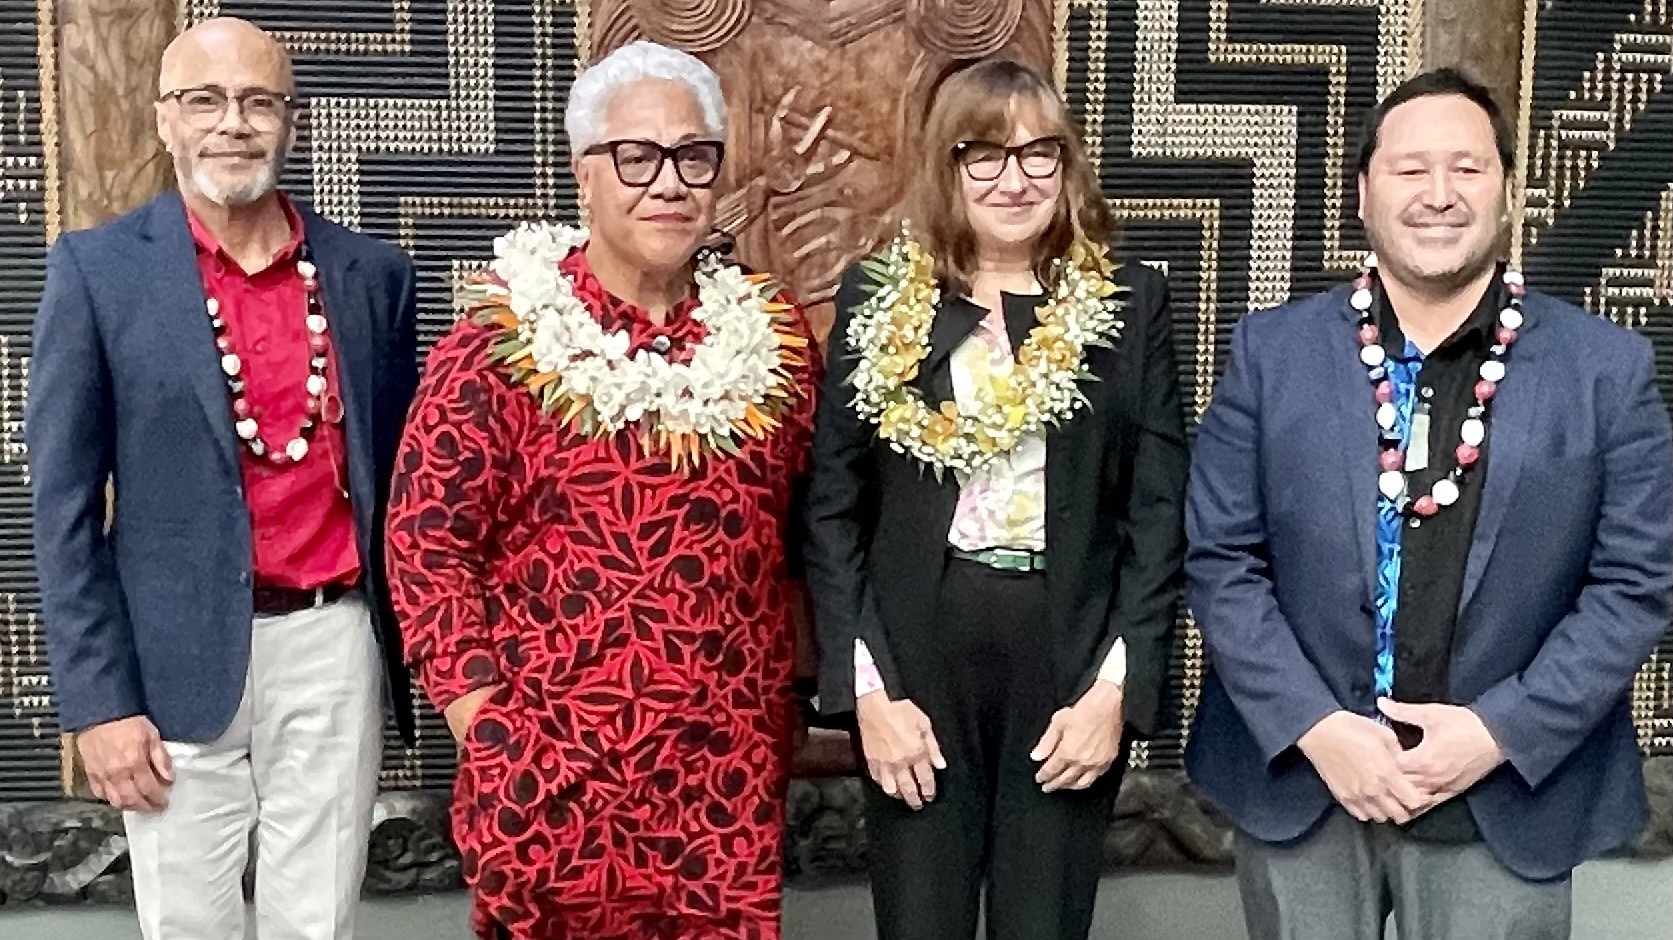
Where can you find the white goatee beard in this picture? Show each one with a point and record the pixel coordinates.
(242, 194)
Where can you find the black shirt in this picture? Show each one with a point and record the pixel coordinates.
(1435, 550)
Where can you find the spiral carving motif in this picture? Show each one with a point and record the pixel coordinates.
(693, 25)
(964, 29)
(614, 26)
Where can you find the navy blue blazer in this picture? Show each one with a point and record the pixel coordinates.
(153, 617)
(1567, 587)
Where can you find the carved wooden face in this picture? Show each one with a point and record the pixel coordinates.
(1010, 212)
(1434, 198)
(657, 226)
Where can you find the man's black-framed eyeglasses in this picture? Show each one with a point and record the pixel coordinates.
(639, 162)
(205, 105)
(984, 162)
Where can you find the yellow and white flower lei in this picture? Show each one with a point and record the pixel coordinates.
(735, 385)
(889, 336)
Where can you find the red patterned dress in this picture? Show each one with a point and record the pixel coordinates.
(627, 778)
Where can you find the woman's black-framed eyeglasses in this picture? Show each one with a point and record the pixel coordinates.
(639, 162)
(985, 162)
(203, 106)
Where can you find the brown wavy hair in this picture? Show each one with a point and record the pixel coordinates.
(985, 102)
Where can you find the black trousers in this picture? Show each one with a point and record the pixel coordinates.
(989, 697)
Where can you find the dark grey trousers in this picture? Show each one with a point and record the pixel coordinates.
(1344, 880)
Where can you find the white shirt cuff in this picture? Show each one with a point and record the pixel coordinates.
(866, 677)
(1114, 669)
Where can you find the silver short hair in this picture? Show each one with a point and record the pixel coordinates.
(583, 119)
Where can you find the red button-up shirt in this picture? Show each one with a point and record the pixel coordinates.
(300, 514)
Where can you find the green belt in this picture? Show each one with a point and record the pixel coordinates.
(1005, 559)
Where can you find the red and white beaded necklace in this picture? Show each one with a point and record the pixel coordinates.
(1392, 482)
(319, 406)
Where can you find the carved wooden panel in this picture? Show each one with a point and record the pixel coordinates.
(826, 96)
(108, 54)
(1482, 37)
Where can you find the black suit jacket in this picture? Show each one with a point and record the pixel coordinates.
(153, 617)
(877, 521)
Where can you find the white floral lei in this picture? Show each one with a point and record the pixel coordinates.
(889, 335)
(736, 381)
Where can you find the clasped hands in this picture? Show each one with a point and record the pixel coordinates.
(902, 753)
(1376, 780)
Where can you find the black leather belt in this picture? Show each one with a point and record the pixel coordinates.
(278, 601)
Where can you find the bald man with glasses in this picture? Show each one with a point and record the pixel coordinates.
(238, 368)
